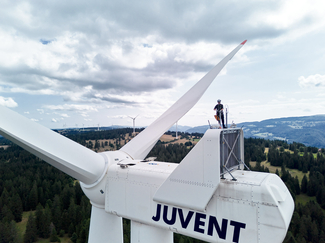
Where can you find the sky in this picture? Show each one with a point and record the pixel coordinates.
(67, 64)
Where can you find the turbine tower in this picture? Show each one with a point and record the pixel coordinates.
(161, 198)
(133, 118)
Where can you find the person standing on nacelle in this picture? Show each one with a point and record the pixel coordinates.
(219, 115)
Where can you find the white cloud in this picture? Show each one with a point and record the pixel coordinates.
(316, 80)
(143, 56)
(70, 107)
(84, 114)
(8, 102)
(118, 117)
(41, 111)
(115, 54)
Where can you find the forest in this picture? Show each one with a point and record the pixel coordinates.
(59, 210)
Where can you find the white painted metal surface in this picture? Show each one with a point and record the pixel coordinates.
(198, 173)
(59, 151)
(246, 210)
(105, 227)
(142, 233)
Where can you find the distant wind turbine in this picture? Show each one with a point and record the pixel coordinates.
(133, 118)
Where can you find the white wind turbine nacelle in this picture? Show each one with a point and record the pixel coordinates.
(161, 198)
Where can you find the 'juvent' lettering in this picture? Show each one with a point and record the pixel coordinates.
(200, 221)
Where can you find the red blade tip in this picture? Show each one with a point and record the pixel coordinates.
(243, 42)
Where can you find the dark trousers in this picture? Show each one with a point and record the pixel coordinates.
(221, 116)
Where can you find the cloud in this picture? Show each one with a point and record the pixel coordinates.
(46, 42)
(8, 102)
(70, 107)
(41, 111)
(100, 54)
(316, 81)
(56, 48)
(118, 117)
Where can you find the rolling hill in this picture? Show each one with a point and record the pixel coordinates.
(308, 130)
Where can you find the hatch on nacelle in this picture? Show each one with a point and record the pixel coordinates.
(231, 150)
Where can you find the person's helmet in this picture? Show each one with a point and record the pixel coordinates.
(218, 100)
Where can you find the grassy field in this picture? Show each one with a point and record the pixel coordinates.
(21, 226)
(273, 169)
(293, 172)
(303, 199)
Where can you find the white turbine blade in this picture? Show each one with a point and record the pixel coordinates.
(59, 151)
(140, 146)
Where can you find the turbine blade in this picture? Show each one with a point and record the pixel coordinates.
(57, 150)
(140, 146)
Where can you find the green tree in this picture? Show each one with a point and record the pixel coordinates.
(56, 212)
(39, 219)
(54, 237)
(74, 237)
(33, 197)
(4, 199)
(9, 232)
(47, 222)
(72, 213)
(31, 230)
(296, 185)
(16, 207)
(6, 214)
(304, 184)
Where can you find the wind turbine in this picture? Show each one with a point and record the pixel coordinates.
(133, 118)
(207, 196)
